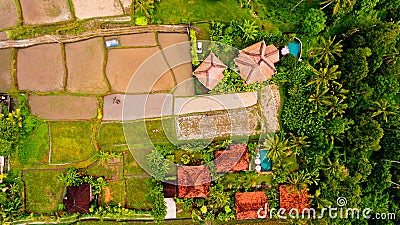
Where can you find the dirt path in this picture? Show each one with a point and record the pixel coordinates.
(91, 34)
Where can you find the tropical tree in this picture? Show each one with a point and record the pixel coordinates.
(299, 181)
(327, 50)
(277, 147)
(144, 6)
(319, 98)
(319, 201)
(314, 22)
(336, 106)
(383, 108)
(297, 143)
(249, 29)
(338, 4)
(324, 74)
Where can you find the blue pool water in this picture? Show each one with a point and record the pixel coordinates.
(266, 163)
(294, 48)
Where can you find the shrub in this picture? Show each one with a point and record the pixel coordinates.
(141, 21)
(314, 22)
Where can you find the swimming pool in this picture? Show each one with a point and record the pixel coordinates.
(266, 163)
(295, 47)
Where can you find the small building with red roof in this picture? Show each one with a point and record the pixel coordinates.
(235, 159)
(291, 199)
(256, 62)
(210, 72)
(78, 198)
(193, 181)
(248, 204)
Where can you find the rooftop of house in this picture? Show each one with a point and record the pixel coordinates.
(256, 62)
(210, 72)
(236, 158)
(248, 204)
(78, 198)
(193, 181)
(292, 199)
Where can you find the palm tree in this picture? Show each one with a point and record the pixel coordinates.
(384, 108)
(299, 181)
(338, 4)
(145, 6)
(249, 30)
(319, 98)
(328, 50)
(324, 74)
(276, 146)
(336, 89)
(297, 143)
(320, 201)
(337, 106)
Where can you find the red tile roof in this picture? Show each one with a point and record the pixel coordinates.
(247, 204)
(234, 159)
(78, 199)
(210, 71)
(193, 181)
(293, 200)
(256, 62)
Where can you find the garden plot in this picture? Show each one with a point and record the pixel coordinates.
(43, 191)
(70, 142)
(109, 170)
(8, 14)
(40, 68)
(184, 79)
(122, 65)
(113, 194)
(85, 67)
(131, 166)
(136, 40)
(45, 11)
(5, 70)
(137, 188)
(219, 124)
(167, 39)
(270, 105)
(96, 8)
(63, 107)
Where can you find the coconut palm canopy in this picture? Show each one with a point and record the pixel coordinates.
(256, 62)
(210, 71)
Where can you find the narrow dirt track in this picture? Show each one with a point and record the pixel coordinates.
(91, 34)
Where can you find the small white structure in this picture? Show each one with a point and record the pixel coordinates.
(171, 208)
(285, 50)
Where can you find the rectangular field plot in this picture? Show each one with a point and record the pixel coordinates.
(34, 149)
(136, 193)
(70, 141)
(131, 166)
(43, 191)
(113, 194)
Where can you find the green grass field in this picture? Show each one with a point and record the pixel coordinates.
(71, 141)
(136, 193)
(184, 11)
(43, 191)
(116, 194)
(34, 149)
(131, 166)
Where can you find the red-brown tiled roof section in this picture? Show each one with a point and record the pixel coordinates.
(210, 72)
(256, 62)
(234, 159)
(193, 181)
(247, 204)
(78, 199)
(291, 199)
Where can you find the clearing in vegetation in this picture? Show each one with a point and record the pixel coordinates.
(40, 68)
(96, 8)
(70, 141)
(63, 107)
(8, 14)
(43, 190)
(85, 67)
(5, 69)
(42, 12)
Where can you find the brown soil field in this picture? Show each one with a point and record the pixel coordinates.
(5, 70)
(8, 14)
(184, 77)
(270, 104)
(165, 83)
(85, 67)
(63, 107)
(45, 11)
(3, 36)
(96, 8)
(40, 68)
(123, 63)
(144, 39)
(168, 39)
